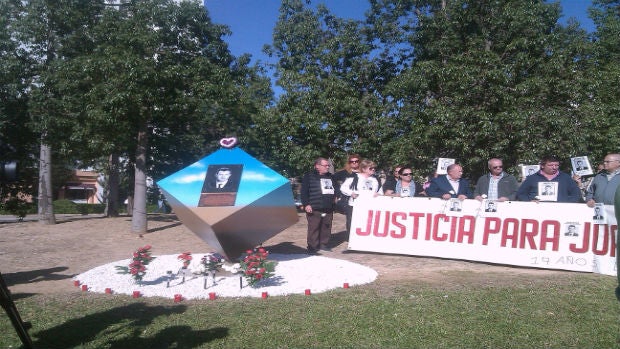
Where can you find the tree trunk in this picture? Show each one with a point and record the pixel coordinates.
(46, 195)
(112, 207)
(138, 219)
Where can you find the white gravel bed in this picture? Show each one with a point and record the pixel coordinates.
(294, 274)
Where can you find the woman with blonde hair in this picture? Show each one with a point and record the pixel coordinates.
(363, 184)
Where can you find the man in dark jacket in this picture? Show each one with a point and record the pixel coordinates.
(567, 189)
(318, 194)
(450, 185)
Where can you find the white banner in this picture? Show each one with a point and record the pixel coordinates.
(540, 235)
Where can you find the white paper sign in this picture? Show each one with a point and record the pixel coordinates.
(581, 166)
(548, 191)
(528, 170)
(442, 165)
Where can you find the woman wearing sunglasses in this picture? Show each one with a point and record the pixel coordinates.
(364, 184)
(405, 186)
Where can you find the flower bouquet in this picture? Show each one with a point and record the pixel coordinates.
(137, 267)
(211, 262)
(254, 266)
(209, 265)
(185, 258)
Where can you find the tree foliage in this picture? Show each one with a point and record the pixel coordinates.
(329, 106)
(486, 79)
(160, 88)
(150, 81)
(153, 83)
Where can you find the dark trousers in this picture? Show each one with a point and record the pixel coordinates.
(349, 214)
(319, 229)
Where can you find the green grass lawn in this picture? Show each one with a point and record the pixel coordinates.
(573, 310)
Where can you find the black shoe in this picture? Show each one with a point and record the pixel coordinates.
(312, 252)
(618, 293)
(326, 249)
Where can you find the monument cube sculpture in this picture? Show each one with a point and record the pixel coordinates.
(231, 200)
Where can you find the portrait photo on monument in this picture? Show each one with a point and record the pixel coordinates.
(221, 185)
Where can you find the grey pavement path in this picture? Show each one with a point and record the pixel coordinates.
(34, 217)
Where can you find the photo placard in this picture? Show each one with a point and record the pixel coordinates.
(527, 170)
(581, 166)
(442, 165)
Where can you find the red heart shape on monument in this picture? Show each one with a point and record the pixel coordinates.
(228, 142)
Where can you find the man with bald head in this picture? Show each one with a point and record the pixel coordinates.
(450, 185)
(496, 185)
(603, 186)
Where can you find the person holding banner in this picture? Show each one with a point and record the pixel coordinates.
(317, 199)
(567, 189)
(364, 184)
(450, 185)
(603, 186)
(496, 185)
(405, 186)
(617, 211)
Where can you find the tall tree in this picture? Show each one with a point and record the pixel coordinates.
(17, 142)
(605, 73)
(329, 106)
(49, 31)
(483, 79)
(159, 88)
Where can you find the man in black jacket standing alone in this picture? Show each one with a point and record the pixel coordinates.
(317, 199)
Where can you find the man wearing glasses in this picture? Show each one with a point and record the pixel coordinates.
(317, 199)
(496, 185)
(603, 186)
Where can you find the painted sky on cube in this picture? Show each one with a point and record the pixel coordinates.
(257, 180)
